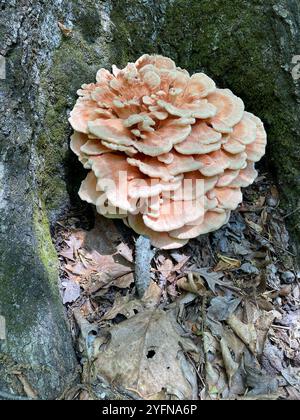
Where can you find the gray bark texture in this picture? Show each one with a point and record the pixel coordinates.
(250, 47)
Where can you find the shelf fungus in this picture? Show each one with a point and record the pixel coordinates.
(167, 152)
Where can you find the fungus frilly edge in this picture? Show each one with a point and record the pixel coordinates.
(166, 152)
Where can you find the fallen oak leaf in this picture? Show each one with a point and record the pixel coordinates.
(214, 279)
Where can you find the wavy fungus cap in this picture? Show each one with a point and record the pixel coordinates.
(167, 152)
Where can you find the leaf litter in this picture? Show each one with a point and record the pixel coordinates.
(220, 320)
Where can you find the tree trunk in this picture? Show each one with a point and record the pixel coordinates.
(249, 47)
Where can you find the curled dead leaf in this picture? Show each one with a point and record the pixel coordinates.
(66, 31)
(226, 263)
(230, 364)
(246, 332)
(257, 228)
(192, 283)
(129, 306)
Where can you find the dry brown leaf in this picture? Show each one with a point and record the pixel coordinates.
(192, 283)
(274, 192)
(230, 364)
(178, 267)
(262, 397)
(254, 226)
(96, 265)
(124, 305)
(264, 216)
(165, 267)
(104, 238)
(108, 269)
(67, 253)
(152, 296)
(124, 250)
(222, 307)
(260, 202)
(226, 263)
(66, 31)
(74, 243)
(129, 306)
(293, 394)
(223, 364)
(144, 356)
(78, 269)
(262, 327)
(246, 332)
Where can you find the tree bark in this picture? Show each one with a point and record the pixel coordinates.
(36, 342)
(249, 47)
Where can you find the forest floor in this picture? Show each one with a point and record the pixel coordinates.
(220, 320)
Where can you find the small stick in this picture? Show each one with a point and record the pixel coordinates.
(291, 213)
(279, 327)
(143, 258)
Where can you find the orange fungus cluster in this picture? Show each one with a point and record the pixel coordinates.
(167, 152)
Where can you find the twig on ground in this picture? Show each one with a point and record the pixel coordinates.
(291, 213)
